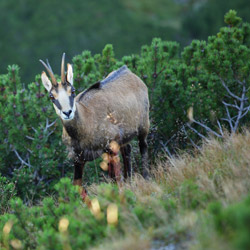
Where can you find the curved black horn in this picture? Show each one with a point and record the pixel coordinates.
(48, 68)
(63, 69)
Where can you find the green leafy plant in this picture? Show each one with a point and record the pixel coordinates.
(7, 190)
(201, 90)
(233, 222)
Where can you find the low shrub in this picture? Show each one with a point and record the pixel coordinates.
(7, 191)
(233, 222)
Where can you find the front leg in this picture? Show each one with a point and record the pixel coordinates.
(78, 171)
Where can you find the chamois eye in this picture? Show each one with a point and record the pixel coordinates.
(51, 97)
(73, 91)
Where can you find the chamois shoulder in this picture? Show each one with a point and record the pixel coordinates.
(101, 84)
(114, 75)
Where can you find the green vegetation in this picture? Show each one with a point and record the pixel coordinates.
(187, 202)
(196, 92)
(7, 190)
(201, 77)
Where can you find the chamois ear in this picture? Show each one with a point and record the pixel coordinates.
(46, 82)
(70, 74)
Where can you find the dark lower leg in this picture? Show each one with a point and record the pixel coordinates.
(125, 162)
(144, 155)
(78, 171)
(126, 153)
(111, 169)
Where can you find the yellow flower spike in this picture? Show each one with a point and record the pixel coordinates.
(190, 114)
(63, 225)
(16, 244)
(114, 146)
(104, 165)
(7, 227)
(112, 214)
(95, 208)
(105, 157)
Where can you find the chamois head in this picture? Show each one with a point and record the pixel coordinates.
(61, 93)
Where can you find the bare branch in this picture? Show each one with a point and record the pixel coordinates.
(231, 105)
(247, 110)
(34, 129)
(166, 149)
(50, 133)
(221, 130)
(30, 138)
(231, 93)
(35, 174)
(229, 120)
(240, 82)
(207, 128)
(241, 108)
(21, 160)
(192, 142)
(48, 125)
(194, 130)
(30, 151)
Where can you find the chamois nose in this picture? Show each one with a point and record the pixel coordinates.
(68, 113)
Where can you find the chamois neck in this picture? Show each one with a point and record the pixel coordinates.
(71, 126)
(75, 127)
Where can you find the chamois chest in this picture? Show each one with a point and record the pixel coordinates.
(79, 147)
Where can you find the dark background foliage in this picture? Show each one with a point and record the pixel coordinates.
(31, 30)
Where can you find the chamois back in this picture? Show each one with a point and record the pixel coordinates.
(118, 108)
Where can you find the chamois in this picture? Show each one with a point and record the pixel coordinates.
(114, 109)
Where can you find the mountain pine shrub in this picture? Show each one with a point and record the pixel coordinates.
(210, 77)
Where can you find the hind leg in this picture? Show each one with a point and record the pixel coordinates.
(114, 167)
(143, 145)
(126, 156)
(114, 164)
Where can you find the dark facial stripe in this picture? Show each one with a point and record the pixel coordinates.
(71, 100)
(56, 102)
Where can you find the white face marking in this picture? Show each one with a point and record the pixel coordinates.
(62, 96)
(64, 101)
